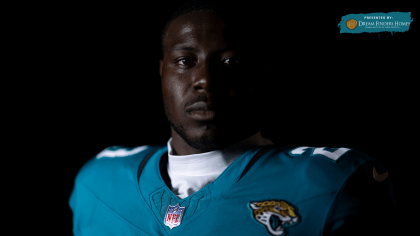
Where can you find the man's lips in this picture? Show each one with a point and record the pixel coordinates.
(202, 111)
(201, 106)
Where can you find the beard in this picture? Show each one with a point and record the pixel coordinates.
(203, 143)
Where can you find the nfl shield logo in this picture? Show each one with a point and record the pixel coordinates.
(173, 216)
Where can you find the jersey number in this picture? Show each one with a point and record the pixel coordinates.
(332, 155)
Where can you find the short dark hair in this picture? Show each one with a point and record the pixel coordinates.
(233, 10)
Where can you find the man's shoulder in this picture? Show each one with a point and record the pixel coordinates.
(106, 186)
(113, 160)
(331, 156)
(115, 152)
(323, 163)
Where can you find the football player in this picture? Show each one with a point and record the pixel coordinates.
(217, 175)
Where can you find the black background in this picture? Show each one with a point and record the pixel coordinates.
(93, 82)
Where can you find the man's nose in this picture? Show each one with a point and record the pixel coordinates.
(202, 78)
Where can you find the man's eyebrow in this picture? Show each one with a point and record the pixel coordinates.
(228, 47)
(183, 48)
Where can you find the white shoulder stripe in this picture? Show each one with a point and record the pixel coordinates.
(334, 156)
(120, 152)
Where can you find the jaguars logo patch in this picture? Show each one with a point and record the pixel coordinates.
(275, 215)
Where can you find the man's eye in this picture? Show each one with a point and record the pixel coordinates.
(230, 61)
(185, 61)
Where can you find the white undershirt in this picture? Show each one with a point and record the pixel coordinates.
(190, 173)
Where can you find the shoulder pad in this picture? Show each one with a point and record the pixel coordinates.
(120, 151)
(333, 154)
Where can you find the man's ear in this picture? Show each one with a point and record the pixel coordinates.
(160, 67)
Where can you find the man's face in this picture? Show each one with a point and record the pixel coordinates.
(209, 82)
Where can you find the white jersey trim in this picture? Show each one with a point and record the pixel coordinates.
(122, 152)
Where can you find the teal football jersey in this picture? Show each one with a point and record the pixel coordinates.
(268, 190)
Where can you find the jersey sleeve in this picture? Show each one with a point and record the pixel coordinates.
(365, 205)
(99, 188)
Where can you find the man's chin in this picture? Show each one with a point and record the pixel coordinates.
(206, 147)
(206, 142)
(209, 136)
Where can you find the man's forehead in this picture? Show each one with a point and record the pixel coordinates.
(195, 22)
(188, 30)
(201, 17)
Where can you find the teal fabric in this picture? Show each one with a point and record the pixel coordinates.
(108, 200)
